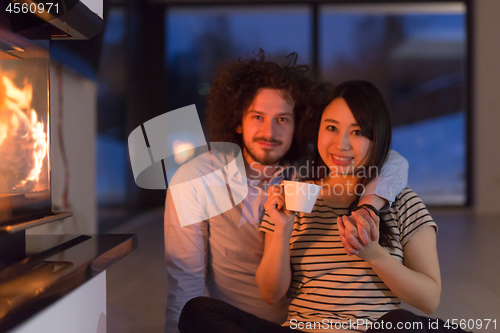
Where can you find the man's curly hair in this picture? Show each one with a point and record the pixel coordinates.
(237, 82)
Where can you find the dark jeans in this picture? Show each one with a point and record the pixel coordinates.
(209, 315)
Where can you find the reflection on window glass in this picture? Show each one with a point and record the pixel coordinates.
(197, 40)
(417, 58)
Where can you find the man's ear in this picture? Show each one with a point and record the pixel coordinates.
(238, 129)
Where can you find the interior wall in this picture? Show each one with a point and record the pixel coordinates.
(79, 109)
(486, 106)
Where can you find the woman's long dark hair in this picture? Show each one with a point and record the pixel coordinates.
(372, 115)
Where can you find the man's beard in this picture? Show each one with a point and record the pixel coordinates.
(267, 159)
(264, 160)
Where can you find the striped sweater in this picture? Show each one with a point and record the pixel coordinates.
(330, 286)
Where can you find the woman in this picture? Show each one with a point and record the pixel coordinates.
(343, 274)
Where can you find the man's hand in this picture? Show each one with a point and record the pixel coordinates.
(349, 235)
(359, 233)
(367, 214)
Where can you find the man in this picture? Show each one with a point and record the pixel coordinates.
(260, 106)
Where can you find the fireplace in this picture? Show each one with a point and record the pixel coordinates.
(39, 271)
(25, 196)
(25, 193)
(24, 130)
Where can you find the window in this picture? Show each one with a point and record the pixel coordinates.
(112, 158)
(199, 39)
(416, 55)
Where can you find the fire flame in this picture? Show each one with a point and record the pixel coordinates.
(21, 129)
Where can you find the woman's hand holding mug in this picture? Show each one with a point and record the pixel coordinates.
(275, 206)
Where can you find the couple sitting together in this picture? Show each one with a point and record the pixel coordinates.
(346, 266)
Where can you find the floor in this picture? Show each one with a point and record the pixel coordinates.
(468, 248)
